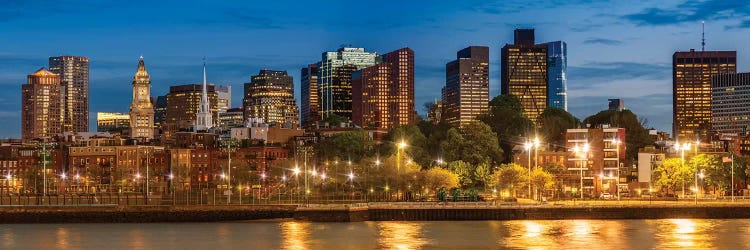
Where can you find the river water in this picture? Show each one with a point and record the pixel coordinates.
(288, 234)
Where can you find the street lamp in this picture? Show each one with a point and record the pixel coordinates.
(696, 183)
(682, 148)
(528, 146)
(401, 146)
(584, 150)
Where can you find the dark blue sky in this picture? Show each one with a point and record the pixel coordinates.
(618, 49)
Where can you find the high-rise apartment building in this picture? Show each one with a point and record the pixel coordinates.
(691, 84)
(270, 96)
(40, 106)
(182, 107)
(74, 91)
(730, 99)
(141, 110)
(335, 79)
(525, 73)
(557, 66)
(310, 100)
(466, 94)
(383, 94)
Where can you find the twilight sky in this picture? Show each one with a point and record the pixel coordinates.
(616, 49)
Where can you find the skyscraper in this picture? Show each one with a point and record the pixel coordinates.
(40, 105)
(730, 100)
(182, 107)
(524, 72)
(691, 84)
(112, 122)
(270, 96)
(466, 94)
(204, 119)
(74, 91)
(160, 110)
(383, 94)
(335, 79)
(557, 66)
(141, 110)
(310, 101)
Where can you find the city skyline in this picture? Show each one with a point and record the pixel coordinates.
(654, 33)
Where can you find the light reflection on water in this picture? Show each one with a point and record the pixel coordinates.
(532, 234)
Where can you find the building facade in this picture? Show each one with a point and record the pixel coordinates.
(557, 68)
(141, 110)
(466, 94)
(691, 90)
(383, 94)
(112, 122)
(182, 107)
(730, 99)
(40, 106)
(224, 98)
(74, 91)
(232, 118)
(270, 96)
(160, 110)
(310, 100)
(524, 70)
(335, 79)
(596, 162)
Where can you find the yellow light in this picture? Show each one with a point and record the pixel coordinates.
(402, 144)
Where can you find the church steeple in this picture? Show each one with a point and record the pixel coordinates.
(204, 118)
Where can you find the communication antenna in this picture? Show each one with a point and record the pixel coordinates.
(703, 35)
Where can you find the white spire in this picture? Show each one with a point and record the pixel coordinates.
(204, 118)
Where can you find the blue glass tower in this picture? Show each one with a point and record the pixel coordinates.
(557, 67)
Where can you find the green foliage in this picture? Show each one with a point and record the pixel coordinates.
(541, 180)
(435, 178)
(435, 134)
(335, 120)
(507, 120)
(555, 123)
(416, 142)
(474, 144)
(465, 172)
(636, 134)
(510, 177)
(348, 145)
(672, 174)
(483, 174)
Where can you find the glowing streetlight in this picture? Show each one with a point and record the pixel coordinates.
(682, 148)
(584, 150)
(528, 146)
(323, 176)
(171, 176)
(296, 170)
(63, 176)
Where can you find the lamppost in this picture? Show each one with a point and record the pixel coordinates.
(296, 178)
(351, 183)
(682, 148)
(171, 183)
(584, 150)
(260, 183)
(528, 146)
(401, 146)
(696, 183)
(63, 176)
(617, 143)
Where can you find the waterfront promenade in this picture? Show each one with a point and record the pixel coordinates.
(375, 211)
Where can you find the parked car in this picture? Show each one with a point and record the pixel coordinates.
(605, 196)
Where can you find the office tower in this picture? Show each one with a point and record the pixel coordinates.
(335, 79)
(310, 101)
(524, 72)
(232, 118)
(40, 105)
(270, 96)
(141, 110)
(204, 119)
(383, 94)
(557, 66)
(225, 97)
(112, 122)
(730, 99)
(466, 94)
(691, 85)
(182, 107)
(160, 110)
(616, 104)
(74, 91)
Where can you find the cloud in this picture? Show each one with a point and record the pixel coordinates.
(603, 41)
(609, 71)
(742, 25)
(690, 11)
(243, 18)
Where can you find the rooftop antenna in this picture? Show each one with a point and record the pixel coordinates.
(703, 35)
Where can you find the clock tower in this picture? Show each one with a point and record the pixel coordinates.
(141, 110)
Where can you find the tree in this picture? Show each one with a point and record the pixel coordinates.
(507, 120)
(335, 120)
(541, 180)
(555, 123)
(415, 144)
(510, 177)
(474, 144)
(435, 134)
(636, 134)
(347, 145)
(483, 174)
(672, 173)
(465, 172)
(435, 178)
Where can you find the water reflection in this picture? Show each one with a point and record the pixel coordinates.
(295, 235)
(62, 237)
(685, 233)
(401, 235)
(565, 234)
